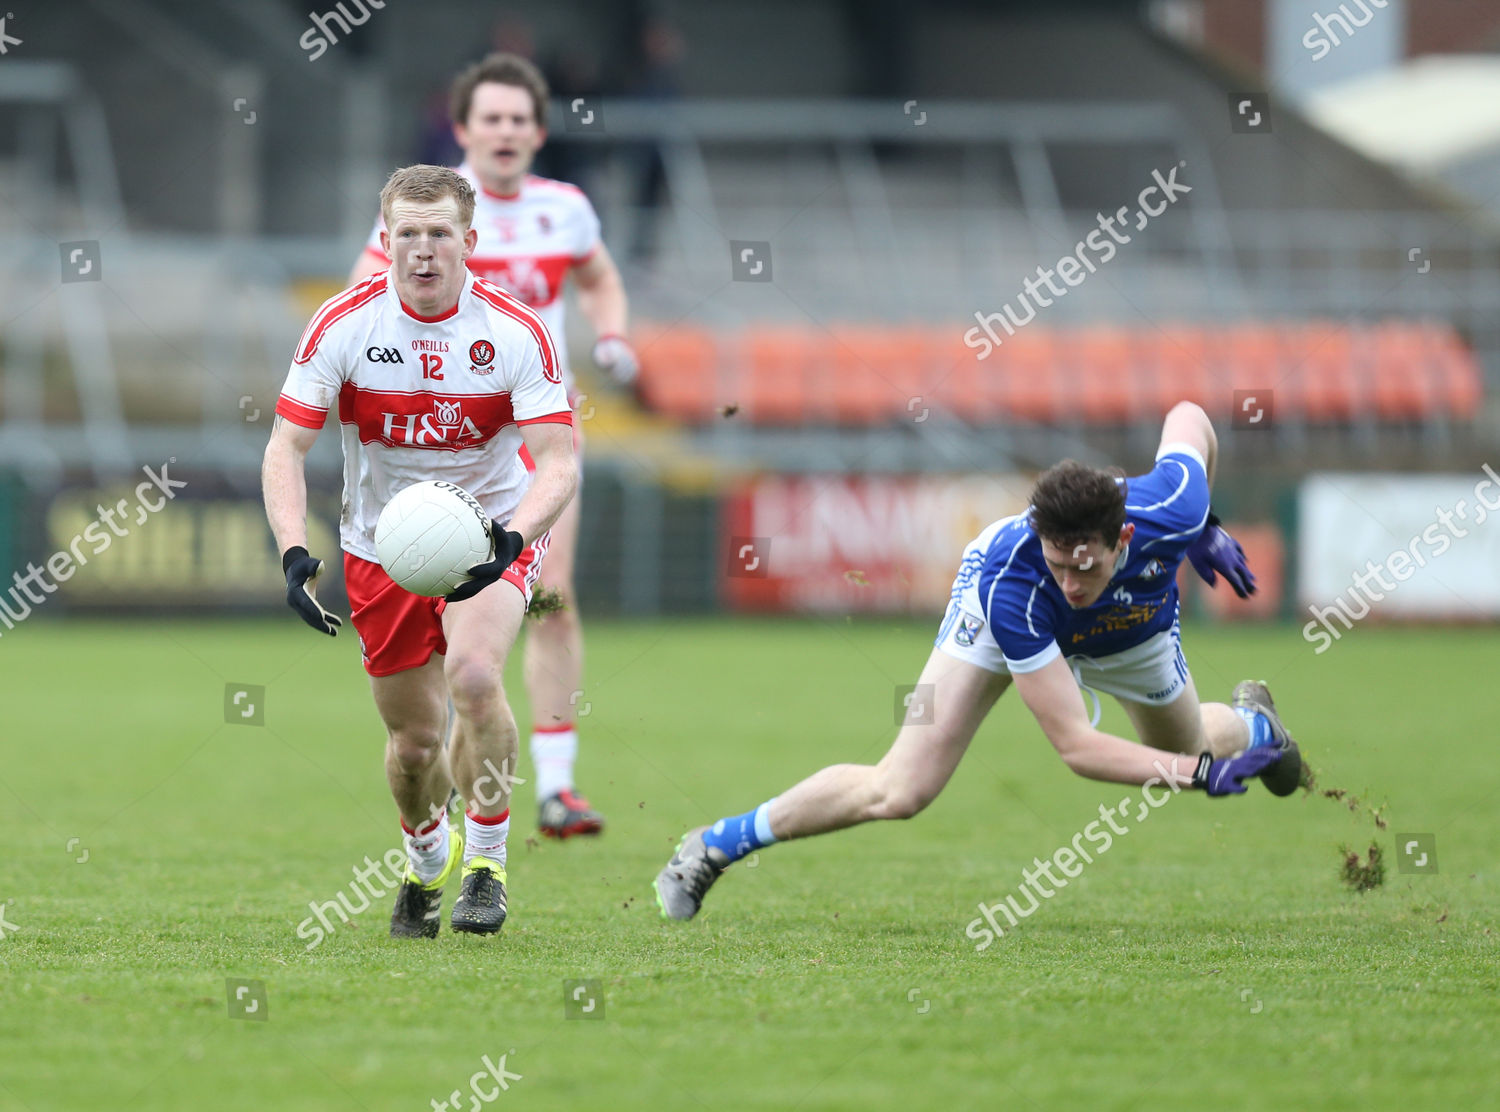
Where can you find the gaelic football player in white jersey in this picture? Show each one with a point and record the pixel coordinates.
(436, 374)
(533, 235)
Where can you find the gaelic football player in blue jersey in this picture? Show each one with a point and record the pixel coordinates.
(1079, 592)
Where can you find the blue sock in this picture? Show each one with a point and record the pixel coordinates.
(739, 835)
(1260, 727)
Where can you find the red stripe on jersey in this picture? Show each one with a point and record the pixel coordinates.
(534, 180)
(336, 309)
(499, 299)
(564, 418)
(423, 419)
(534, 280)
(300, 413)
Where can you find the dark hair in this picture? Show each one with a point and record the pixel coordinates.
(500, 69)
(1073, 504)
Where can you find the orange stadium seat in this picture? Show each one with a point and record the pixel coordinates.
(1332, 389)
(1257, 360)
(879, 372)
(856, 361)
(1027, 379)
(1404, 383)
(1177, 369)
(679, 372)
(777, 366)
(1322, 371)
(958, 378)
(1101, 377)
(1460, 390)
(912, 369)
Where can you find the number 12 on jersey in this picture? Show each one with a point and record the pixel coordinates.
(431, 365)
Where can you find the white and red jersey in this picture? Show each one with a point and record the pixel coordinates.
(425, 398)
(528, 241)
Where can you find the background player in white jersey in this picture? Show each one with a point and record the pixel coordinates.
(437, 375)
(1081, 591)
(534, 234)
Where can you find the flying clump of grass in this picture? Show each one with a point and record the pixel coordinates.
(1359, 875)
(544, 601)
(1364, 875)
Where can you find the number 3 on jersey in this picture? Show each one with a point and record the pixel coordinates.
(431, 365)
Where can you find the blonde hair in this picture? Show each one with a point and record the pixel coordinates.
(428, 184)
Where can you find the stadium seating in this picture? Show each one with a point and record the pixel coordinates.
(1318, 372)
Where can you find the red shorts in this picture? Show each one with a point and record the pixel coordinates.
(399, 630)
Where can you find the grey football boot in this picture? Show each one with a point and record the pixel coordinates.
(681, 886)
(1282, 777)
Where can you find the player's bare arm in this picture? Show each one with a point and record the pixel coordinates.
(555, 481)
(601, 293)
(1187, 423)
(1052, 696)
(284, 488)
(601, 296)
(283, 481)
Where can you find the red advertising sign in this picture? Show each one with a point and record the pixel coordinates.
(888, 544)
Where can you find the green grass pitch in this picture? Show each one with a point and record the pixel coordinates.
(1211, 959)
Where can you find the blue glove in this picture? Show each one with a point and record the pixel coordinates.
(1216, 551)
(1227, 775)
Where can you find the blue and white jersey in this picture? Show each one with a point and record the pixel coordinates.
(1005, 576)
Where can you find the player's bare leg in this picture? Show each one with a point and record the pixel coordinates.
(482, 756)
(915, 769)
(910, 776)
(554, 676)
(414, 707)
(1186, 726)
(413, 704)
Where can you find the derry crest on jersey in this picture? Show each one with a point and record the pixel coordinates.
(482, 357)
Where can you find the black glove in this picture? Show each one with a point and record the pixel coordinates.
(302, 573)
(508, 546)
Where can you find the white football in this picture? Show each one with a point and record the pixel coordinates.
(429, 536)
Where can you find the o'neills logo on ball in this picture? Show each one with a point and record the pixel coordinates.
(481, 355)
(473, 502)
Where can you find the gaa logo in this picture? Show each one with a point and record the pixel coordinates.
(481, 355)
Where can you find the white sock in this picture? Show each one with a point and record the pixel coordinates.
(427, 848)
(553, 751)
(486, 837)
